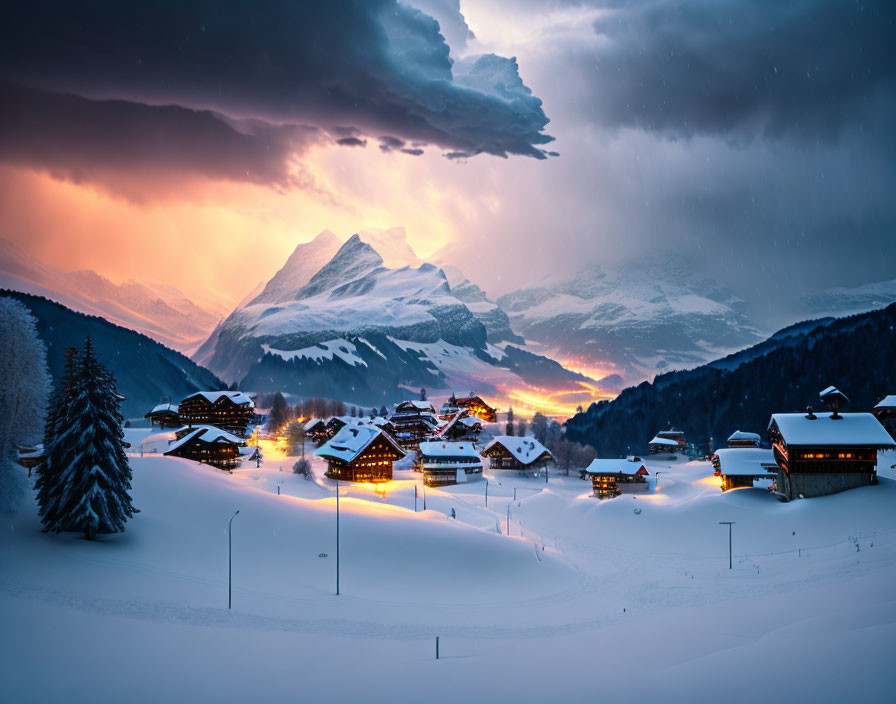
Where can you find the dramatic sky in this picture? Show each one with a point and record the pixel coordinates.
(198, 142)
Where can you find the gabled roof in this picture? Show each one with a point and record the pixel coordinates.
(850, 429)
(419, 405)
(163, 408)
(887, 402)
(236, 397)
(208, 434)
(743, 435)
(449, 449)
(311, 423)
(352, 440)
(665, 441)
(525, 450)
(617, 466)
(746, 462)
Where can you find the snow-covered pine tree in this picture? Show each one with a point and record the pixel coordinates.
(95, 485)
(24, 386)
(56, 455)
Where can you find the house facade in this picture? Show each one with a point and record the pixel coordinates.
(360, 453)
(612, 477)
(521, 454)
(209, 445)
(229, 410)
(443, 463)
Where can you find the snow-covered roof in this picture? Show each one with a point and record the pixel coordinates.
(525, 450)
(470, 421)
(743, 435)
(205, 433)
(617, 466)
(419, 405)
(238, 397)
(664, 441)
(850, 429)
(311, 422)
(351, 441)
(163, 407)
(449, 449)
(746, 461)
(887, 402)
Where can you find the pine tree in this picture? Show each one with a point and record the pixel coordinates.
(422, 394)
(94, 485)
(279, 415)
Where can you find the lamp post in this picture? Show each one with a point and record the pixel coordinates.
(230, 559)
(729, 524)
(337, 537)
(657, 475)
(486, 492)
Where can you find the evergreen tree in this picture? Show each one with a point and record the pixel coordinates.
(295, 438)
(279, 415)
(56, 455)
(94, 484)
(508, 430)
(383, 411)
(422, 394)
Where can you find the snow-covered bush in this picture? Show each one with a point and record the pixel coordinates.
(302, 466)
(24, 386)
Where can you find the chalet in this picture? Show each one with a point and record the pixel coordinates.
(461, 426)
(444, 463)
(740, 438)
(668, 442)
(335, 424)
(610, 478)
(412, 422)
(824, 453)
(520, 454)
(477, 407)
(228, 410)
(165, 415)
(885, 412)
(360, 453)
(315, 430)
(28, 457)
(741, 466)
(210, 445)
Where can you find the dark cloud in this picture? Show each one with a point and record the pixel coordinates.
(373, 65)
(91, 140)
(351, 142)
(803, 68)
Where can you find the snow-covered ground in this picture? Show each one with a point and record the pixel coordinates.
(594, 602)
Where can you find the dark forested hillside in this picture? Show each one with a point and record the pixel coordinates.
(147, 372)
(857, 354)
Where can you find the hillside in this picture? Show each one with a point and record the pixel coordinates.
(147, 371)
(857, 354)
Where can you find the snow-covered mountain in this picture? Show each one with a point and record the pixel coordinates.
(362, 331)
(841, 300)
(633, 321)
(161, 312)
(487, 312)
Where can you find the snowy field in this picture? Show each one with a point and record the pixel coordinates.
(584, 601)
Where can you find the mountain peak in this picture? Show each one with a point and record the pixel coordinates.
(305, 261)
(354, 259)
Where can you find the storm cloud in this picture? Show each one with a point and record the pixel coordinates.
(245, 86)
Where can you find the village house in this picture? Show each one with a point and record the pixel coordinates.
(668, 442)
(740, 466)
(165, 415)
(824, 453)
(412, 422)
(335, 424)
(443, 463)
(461, 426)
(885, 412)
(228, 410)
(210, 445)
(315, 430)
(612, 477)
(740, 438)
(360, 453)
(474, 404)
(524, 454)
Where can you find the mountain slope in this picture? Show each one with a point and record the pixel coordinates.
(147, 371)
(857, 354)
(635, 320)
(841, 300)
(161, 312)
(487, 312)
(305, 261)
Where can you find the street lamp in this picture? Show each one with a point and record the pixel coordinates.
(729, 524)
(230, 559)
(337, 537)
(657, 475)
(486, 492)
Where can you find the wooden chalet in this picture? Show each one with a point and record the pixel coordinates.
(228, 410)
(360, 453)
(461, 426)
(740, 438)
(316, 430)
(210, 445)
(443, 463)
(514, 453)
(668, 442)
(29, 457)
(165, 415)
(741, 466)
(824, 453)
(885, 412)
(413, 421)
(335, 424)
(477, 407)
(610, 478)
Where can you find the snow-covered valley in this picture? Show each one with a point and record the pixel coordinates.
(628, 599)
